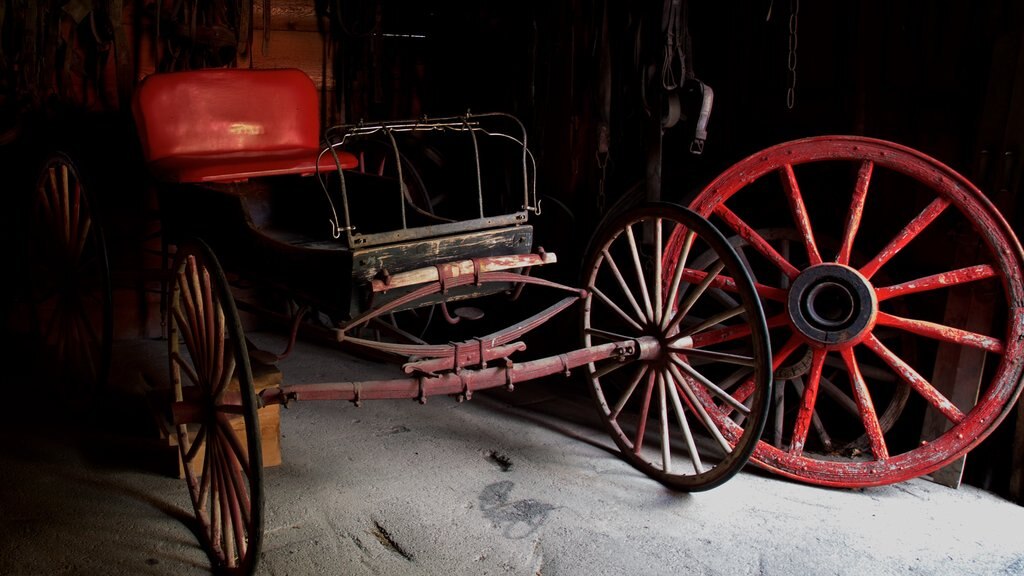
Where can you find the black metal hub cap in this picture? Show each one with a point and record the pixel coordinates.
(832, 305)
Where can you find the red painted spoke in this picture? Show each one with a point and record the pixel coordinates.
(756, 240)
(216, 515)
(796, 206)
(234, 498)
(807, 401)
(204, 478)
(728, 284)
(240, 488)
(210, 309)
(641, 428)
(726, 334)
(915, 381)
(715, 320)
(915, 227)
(63, 203)
(693, 296)
(865, 406)
(225, 377)
(856, 212)
(942, 333)
(677, 406)
(236, 446)
(937, 281)
(219, 377)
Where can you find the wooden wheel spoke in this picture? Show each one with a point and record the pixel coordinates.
(856, 211)
(715, 320)
(937, 281)
(816, 423)
(204, 479)
(641, 427)
(197, 444)
(617, 409)
(692, 296)
(614, 268)
(744, 390)
(684, 425)
(807, 403)
(756, 241)
(865, 406)
(236, 446)
(232, 498)
(728, 284)
(186, 366)
(942, 333)
(900, 241)
(666, 443)
(725, 357)
(641, 278)
(677, 275)
(658, 315)
(915, 380)
(225, 376)
(683, 384)
(619, 311)
(711, 386)
(796, 206)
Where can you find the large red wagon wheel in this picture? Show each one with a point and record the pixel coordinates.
(67, 308)
(932, 236)
(665, 403)
(217, 423)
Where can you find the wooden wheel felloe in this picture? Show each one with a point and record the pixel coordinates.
(672, 404)
(67, 308)
(923, 289)
(217, 423)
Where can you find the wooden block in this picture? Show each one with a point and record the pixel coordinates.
(264, 376)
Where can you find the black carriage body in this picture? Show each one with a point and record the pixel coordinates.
(262, 232)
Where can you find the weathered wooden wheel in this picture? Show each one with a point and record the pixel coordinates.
(667, 404)
(789, 377)
(217, 423)
(946, 256)
(67, 305)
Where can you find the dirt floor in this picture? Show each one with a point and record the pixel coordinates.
(521, 483)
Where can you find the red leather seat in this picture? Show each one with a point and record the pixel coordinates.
(216, 125)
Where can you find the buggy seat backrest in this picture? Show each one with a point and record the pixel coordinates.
(230, 124)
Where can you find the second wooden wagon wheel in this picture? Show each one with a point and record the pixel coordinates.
(215, 411)
(668, 405)
(67, 310)
(940, 266)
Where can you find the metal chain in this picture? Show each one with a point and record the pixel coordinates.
(794, 11)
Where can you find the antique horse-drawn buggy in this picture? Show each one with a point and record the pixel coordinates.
(737, 327)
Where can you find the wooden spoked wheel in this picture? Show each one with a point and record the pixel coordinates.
(217, 423)
(671, 401)
(788, 378)
(67, 308)
(923, 289)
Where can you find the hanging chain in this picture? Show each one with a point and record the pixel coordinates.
(794, 11)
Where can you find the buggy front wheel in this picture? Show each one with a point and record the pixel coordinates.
(215, 411)
(674, 409)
